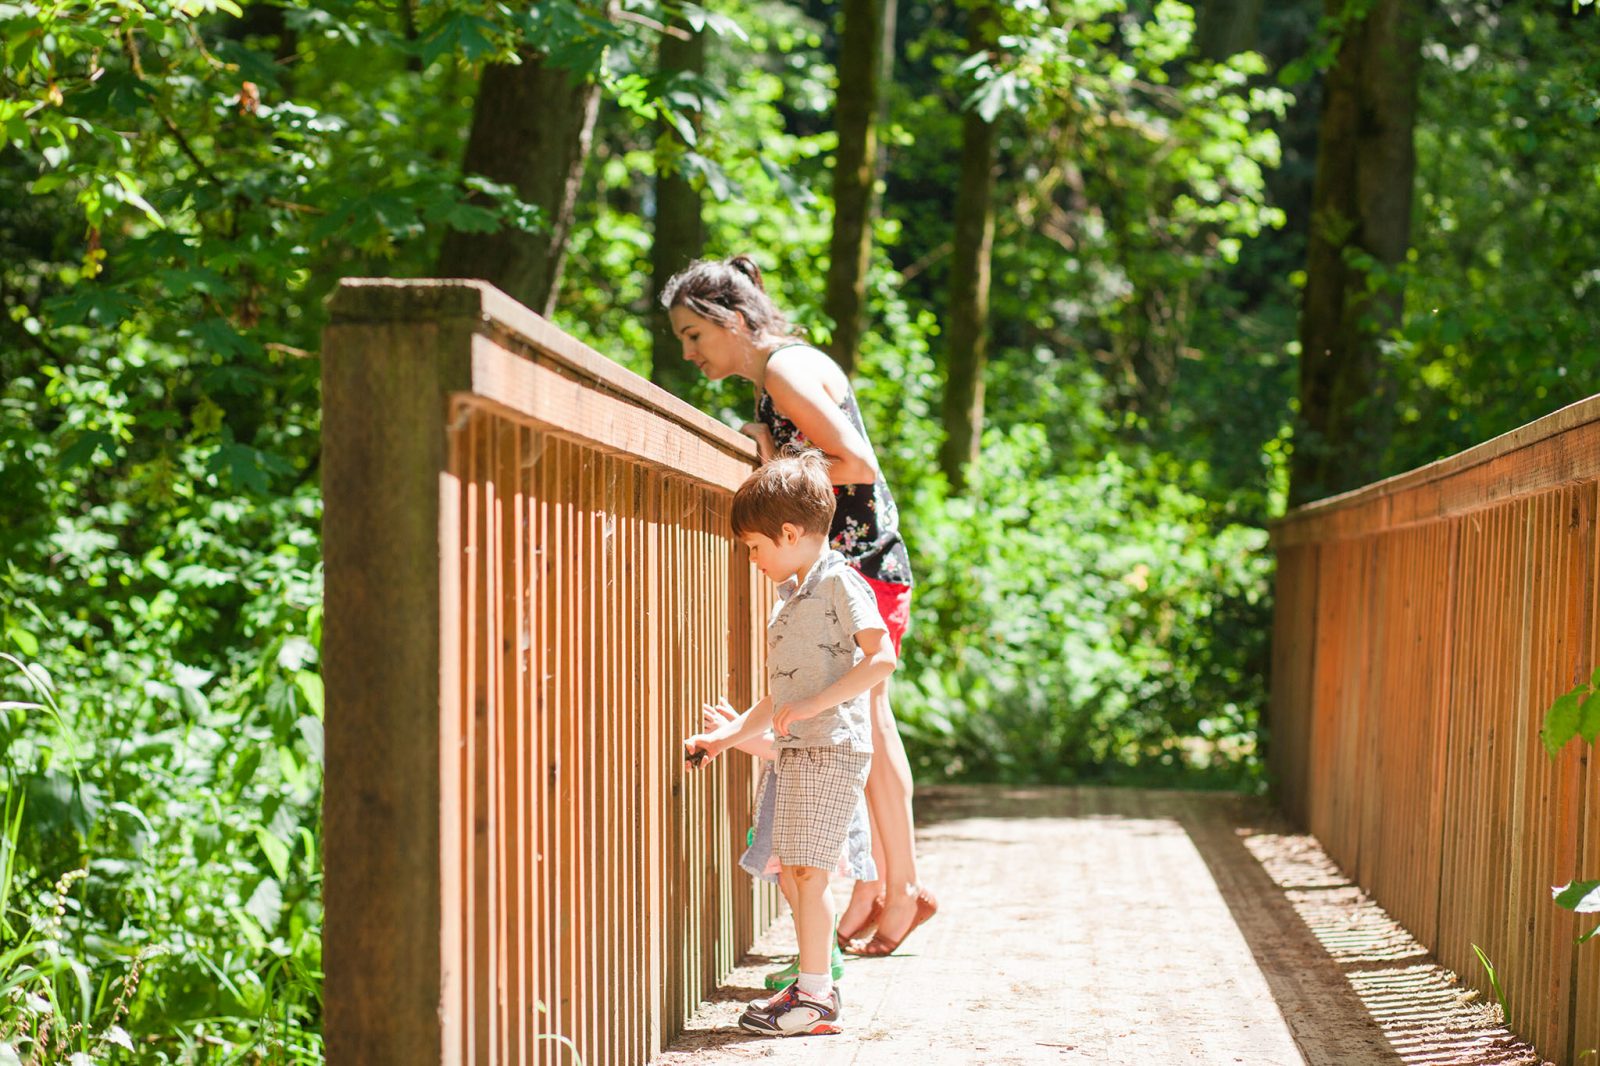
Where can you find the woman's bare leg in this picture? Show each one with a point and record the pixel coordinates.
(852, 920)
(889, 802)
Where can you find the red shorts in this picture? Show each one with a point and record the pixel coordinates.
(894, 603)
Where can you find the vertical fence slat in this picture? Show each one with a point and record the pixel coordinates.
(1423, 625)
(531, 590)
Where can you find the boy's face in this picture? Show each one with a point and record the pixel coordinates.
(782, 558)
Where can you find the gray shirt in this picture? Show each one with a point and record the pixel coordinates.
(811, 644)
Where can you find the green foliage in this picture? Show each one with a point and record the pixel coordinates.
(1132, 179)
(1494, 983)
(1086, 622)
(1095, 607)
(1582, 897)
(1506, 228)
(1089, 611)
(187, 805)
(183, 181)
(765, 194)
(1575, 714)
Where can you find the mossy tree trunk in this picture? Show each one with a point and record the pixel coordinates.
(531, 127)
(1360, 230)
(1227, 27)
(865, 48)
(967, 324)
(679, 236)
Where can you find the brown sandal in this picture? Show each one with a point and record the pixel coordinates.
(869, 922)
(880, 946)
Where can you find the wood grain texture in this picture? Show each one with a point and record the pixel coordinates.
(387, 497)
(532, 587)
(484, 309)
(1445, 610)
(531, 393)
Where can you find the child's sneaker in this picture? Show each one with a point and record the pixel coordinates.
(790, 1014)
(778, 980)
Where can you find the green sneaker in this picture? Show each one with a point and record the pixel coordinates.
(778, 980)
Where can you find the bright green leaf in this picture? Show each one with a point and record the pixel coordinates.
(311, 730)
(277, 851)
(48, 183)
(290, 767)
(252, 933)
(1561, 721)
(1580, 896)
(130, 193)
(310, 686)
(265, 904)
(685, 128)
(1589, 717)
(26, 642)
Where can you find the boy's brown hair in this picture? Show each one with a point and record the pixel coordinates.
(794, 488)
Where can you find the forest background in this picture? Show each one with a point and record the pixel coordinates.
(1073, 251)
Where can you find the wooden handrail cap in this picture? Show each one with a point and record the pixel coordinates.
(1548, 453)
(494, 314)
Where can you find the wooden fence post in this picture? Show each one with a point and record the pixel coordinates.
(530, 589)
(385, 381)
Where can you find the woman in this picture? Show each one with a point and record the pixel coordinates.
(728, 325)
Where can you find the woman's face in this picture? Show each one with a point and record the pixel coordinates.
(715, 349)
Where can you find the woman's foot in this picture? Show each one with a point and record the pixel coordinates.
(858, 920)
(900, 918)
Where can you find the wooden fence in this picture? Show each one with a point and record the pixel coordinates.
(1423, 626)
(530, 590)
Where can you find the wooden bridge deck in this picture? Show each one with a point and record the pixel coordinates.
(503, 781)
(1120, 926)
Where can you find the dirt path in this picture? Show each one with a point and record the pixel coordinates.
(1125, 927)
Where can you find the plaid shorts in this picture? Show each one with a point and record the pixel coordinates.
(818, 790)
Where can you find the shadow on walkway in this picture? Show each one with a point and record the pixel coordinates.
(1125, 926)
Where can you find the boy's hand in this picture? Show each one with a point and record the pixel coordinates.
(789, 713)
(699, 748)
(714, 716)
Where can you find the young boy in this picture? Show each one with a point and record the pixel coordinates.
(827, 646)
(761, 862)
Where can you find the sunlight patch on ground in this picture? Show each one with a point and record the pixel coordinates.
(1425, 1011)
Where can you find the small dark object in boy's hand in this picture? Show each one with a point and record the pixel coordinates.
(696, 757)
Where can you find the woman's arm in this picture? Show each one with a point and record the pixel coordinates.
(766, 450)
(794, 379)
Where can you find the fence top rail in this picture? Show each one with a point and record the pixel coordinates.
(1561, 448)
(479, 308)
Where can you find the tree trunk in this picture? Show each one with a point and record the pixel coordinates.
(679, 236)
(531, 127)
(864, 61)
(1361, 210)
(1227, 27)
(967, 344)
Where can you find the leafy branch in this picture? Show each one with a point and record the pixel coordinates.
(1575, 714)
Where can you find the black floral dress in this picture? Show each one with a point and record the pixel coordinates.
(866, 522)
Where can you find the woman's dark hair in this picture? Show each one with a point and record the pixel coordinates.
(720, 290)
